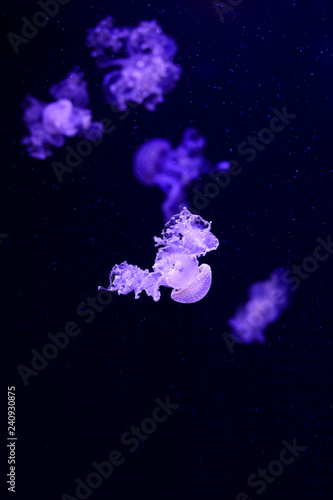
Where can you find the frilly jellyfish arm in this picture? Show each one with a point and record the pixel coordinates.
(149, 38)
(184, 238)
(125, 278)
(73, 88)
(61, 117)
(266, 301)
(191, 233)
(143, 79)
(106, 40)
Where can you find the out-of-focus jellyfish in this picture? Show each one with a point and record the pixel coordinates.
(67, 116)
(266, 301)
(172, 170)
(144, 70)
(184, 238)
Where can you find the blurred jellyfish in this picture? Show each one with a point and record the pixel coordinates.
(184, 238)
(266, 301)
(172, 170)
(67, 116)
(145, 70)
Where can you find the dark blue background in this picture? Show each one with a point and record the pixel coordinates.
(235, 409)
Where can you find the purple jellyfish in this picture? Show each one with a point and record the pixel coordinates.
(67, 116)
(266, 301)
(144, 70)
(172, 170)
(184, 238)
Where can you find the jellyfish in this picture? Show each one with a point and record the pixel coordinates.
(266, 301)
(172, 170)
(143, 70)
(50, 123)
(184, 238)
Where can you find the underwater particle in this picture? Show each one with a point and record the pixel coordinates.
(173, 169)
(144, 68)
(184, 238)
(67, 116)
(267, 299)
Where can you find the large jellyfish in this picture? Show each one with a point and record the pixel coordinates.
(184, 238)
(144, 70)
(172, 170)
(266, 301)
(67, 116)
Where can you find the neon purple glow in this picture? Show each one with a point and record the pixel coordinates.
(172, 170)
(184, 238)
(266, 301)
(145, 71)
(67, 116)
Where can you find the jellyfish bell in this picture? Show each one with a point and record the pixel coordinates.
(197, 289)
(145, 164)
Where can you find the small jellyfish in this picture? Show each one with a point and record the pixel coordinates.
(144, 71)
(266, 301)
(67, 116)
(184, 238)
(172, 170)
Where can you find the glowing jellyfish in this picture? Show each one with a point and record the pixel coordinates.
(184, 238)
(172, 170)
(266, 301)
(67, 116)
(144, 70)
